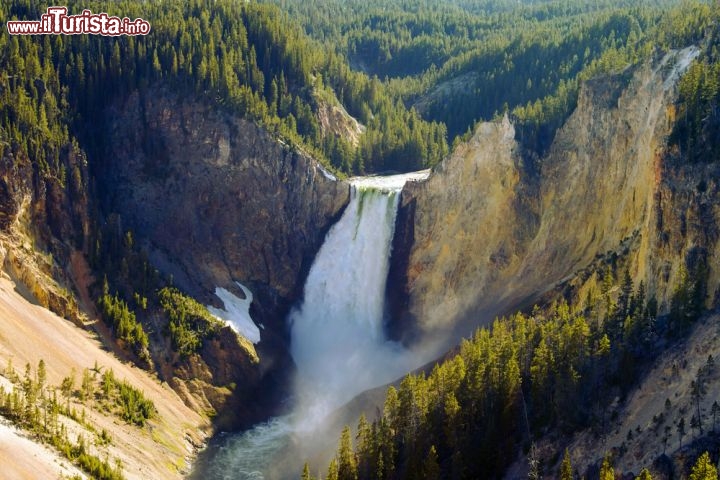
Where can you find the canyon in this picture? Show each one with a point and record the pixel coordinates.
(214, 199)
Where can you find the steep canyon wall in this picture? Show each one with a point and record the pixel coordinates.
(488, 233)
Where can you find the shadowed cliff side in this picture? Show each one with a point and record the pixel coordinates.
(214, 200)
(216, 195)
(484, 235)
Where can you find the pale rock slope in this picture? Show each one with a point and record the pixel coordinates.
(160, 450)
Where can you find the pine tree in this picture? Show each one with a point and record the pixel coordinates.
(697, 392)
(603, 346)
(347, 465)
(332, 473)
(87, 385)
(380, 470)
(625, 299)
(41, 375)
(566, 467)
(644, 475)
(366, 446)
(606, 470)
(10, 371)
(431, 468)
(306, 473)
(681, 429)
(704, 469)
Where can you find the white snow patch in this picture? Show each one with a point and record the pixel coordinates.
(237, 312)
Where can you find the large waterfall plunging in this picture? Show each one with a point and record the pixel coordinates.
(337, 338)
(337, 335)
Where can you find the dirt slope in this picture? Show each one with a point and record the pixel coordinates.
(29, 333)
(22, 459)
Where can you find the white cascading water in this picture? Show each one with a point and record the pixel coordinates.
(337, 338)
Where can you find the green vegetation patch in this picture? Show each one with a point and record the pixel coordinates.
(190, 321)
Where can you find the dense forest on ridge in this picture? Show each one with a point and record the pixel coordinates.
(246, 58)
(556, 369)
(463, 62)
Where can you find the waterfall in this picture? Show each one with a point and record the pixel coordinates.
(337, 338)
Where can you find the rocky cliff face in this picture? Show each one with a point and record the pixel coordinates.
(43, 220)
(216, 197)
(335, 120)
(213, 199)
(463, 226)
(484, 234)
(216, 200)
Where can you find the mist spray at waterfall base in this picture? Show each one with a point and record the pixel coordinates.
(337, 340)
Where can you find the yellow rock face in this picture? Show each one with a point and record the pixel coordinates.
(487, 235)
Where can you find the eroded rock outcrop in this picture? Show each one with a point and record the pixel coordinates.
(335, 120)
(44, 218)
